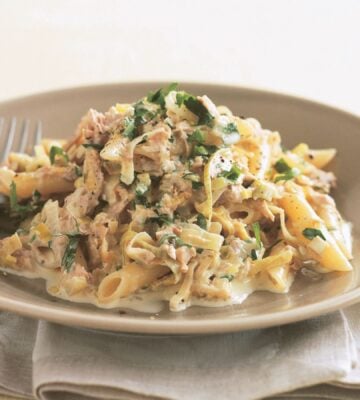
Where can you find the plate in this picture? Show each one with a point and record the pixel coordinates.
(297, 120)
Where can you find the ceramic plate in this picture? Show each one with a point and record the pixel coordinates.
(297, 120)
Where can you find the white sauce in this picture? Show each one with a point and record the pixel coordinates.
(146, 302)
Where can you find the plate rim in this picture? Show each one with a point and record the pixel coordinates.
(122, 323)
(159, 83)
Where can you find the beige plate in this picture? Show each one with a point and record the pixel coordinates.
(297, 120)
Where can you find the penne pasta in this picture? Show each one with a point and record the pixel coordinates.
(170, 198)
(128, 280)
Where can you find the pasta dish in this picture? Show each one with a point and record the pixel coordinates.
(170, 198)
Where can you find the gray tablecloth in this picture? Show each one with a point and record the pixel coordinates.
(312, 359)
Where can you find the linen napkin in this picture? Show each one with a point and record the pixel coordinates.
(76, 364)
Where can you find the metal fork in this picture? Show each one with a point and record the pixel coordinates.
(22, 136)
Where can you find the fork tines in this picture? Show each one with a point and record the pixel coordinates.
(17, 137)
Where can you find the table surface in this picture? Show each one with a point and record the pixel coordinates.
(306, 48)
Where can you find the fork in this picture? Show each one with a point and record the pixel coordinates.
(22, 135)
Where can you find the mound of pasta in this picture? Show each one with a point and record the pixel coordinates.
(170, 198)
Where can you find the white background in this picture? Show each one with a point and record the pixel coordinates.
(305, 47)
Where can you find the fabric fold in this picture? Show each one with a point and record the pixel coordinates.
(296, 361)
(17, 337)
(69, 362)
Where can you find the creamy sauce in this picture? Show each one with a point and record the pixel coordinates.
(146, 302)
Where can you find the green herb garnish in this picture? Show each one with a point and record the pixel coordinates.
(195, 106)
(173, 239)
(256, 229)
(36, 196)
(142, 114)
(140, 195)
(70, 251)
(196, 185)
(96, 146)
(161, 219)
(233, 174)
(158, 97)
(253, 254)
(57, 151)
(201, 221)
(311, 233)
(22, 210)
(229, 277)
(196, 137)
(141, 199)
(287, 176)
(195, 180)
(230, 128)
(181, 97)
(283, 168)
(202, 150)
(78, 171)
(129, 131)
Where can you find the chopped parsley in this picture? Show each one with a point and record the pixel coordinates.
(22, 210)
(57, 151)
(286, 172)
(256, 229)
(173, 239)
(193, 104)
(70, 251)
(129, 131)
(230, 128)
(142, 114)
(229, 277)
(36, 196)
(161, 219)
(196, 137)
(158, 97)
(196, 185)
(140, 195)
(141, 199)
(201, 221)
(233, 174)
(202, 150)
(195, 180)
(253, 254)
(96, 146)
(281, 166)
(181, 97)
(311, 233)
(287, 176)
(78, 171)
